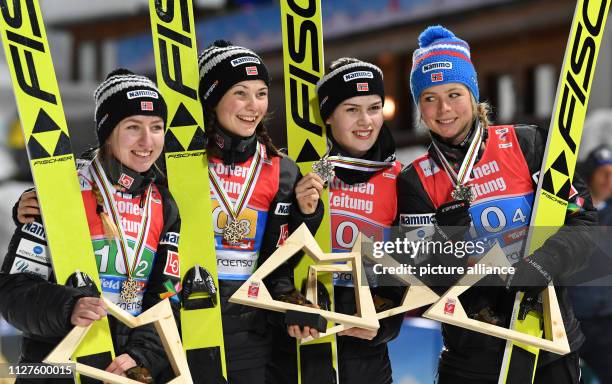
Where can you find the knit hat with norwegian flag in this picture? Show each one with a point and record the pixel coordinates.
(222, 65)
(441, 58)
(125, 94)
(348, 77)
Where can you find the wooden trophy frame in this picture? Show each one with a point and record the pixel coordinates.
(162, 318)
(417, 294)
(448, 309)
(254, 292)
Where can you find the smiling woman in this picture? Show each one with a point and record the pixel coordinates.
(254, 205)
(128, 213)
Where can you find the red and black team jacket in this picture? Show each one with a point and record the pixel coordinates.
(271, 214)
(34, 303)
(504, 179)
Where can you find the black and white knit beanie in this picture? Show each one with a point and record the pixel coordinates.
(348, 77)
(125, 94)
(222, 65)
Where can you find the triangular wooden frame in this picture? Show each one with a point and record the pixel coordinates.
(162, 318)
(254, 292)
(417, 294)
(449, 310)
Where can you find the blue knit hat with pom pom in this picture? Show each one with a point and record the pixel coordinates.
(440, 59)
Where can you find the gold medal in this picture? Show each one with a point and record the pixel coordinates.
(129, 290)
(235, 231)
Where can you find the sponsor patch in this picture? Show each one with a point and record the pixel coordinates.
(32, 250)
(35, 229)
(282, 209)
(21, 265)
(437, 77)
(253, 290)
(146, 105)
(243, 60)
(284, 234)
(501, 131)
(505, 145)
(126, 180)
(142, 93)
(358, 75)
(416, 220)
(429, 167)
(363, 87)
(170, 238)
(437, 65)
(389, 175)
(209, 90)
(172, 267)
(251, 71)
(449, 307)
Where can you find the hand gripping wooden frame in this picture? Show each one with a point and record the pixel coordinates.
(162, 318)
(449, 310)
(254, 292)
(417, 294)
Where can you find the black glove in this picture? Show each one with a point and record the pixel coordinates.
(530, 276)
(452, 220)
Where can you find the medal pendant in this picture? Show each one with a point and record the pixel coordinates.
(324, 169)
(463, 192)
(235, 231)
(129, 290)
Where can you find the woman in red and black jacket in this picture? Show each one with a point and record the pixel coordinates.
(485, 177)
(125, 206)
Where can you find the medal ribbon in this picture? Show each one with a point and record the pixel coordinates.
(461, 178)
(358, 164)
(110, 206)
(233, 211)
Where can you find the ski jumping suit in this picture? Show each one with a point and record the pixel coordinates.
(504, 181)
(33, 302)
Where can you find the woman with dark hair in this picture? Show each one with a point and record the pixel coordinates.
(129, 215)
(254, 204)
(362, 196)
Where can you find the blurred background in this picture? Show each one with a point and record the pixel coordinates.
(517, 48)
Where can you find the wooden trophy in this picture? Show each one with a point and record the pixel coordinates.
(417, 294)
(254, 292)
(162, 318)
(448, 309)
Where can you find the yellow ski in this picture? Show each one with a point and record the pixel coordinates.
(51, 160)
(176, 63)
(558, 167)
(307, 141)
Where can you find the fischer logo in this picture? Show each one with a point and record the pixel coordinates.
(244, 60)
(53, 160)
(437, 65)
(358, 75)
